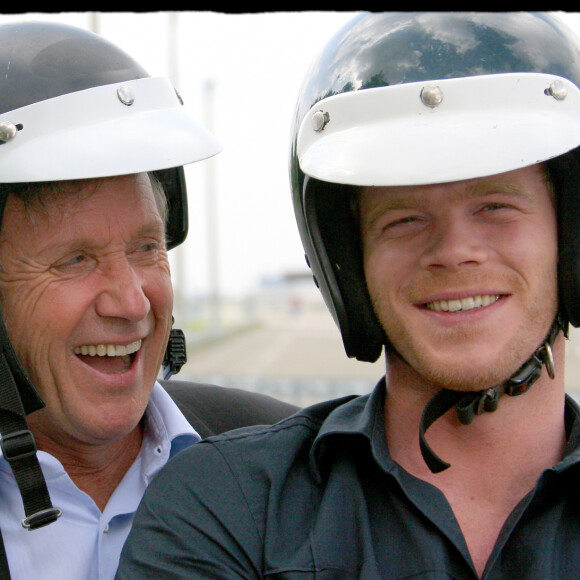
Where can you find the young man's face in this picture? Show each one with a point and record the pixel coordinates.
(87, 299)
(463, 276)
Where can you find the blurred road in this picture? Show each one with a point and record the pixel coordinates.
(297, 358)
(300, 358)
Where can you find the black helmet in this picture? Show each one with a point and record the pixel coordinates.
(411, 98)
(75, 106)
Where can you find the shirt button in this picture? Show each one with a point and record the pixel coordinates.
(106, 530)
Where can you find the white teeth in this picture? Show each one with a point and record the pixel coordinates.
(108, 349)
(464, 304)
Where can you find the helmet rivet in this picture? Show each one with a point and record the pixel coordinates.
(8, 131)
(319, 120)
(125, 95)
(558, 90)
(431, 96)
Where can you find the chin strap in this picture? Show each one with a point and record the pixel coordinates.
(470, 404)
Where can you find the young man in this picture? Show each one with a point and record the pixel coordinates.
(434, 174)
(92, 196)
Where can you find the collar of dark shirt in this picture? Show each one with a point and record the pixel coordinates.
(362, 417)
(353, 417)
(572, 425)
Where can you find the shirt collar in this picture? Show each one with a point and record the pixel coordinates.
(572, 423)
(166, 431)
(363, 417)
(359, 416)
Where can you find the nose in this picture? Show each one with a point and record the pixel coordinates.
(454, 242)
(122, 293)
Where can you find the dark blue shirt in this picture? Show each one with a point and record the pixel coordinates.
(318, 496)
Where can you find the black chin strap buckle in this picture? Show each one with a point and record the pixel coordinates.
(467, 405)
(548, 359)
(175, 354)
(41, 518)
(530, 372)
(19, 449)
(475, 404)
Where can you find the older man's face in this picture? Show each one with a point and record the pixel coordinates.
(87, 300)
(463, 275)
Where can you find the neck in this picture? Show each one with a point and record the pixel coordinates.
(495, 461)
(95, 469)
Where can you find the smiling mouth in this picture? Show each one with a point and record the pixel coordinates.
(109, 358)
(463, 304)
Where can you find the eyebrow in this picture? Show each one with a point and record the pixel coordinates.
(404, 199)
(500, 187)
(74, 243)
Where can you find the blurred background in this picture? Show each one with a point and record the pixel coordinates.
(243, 293)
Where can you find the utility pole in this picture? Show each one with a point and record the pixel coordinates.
(212, 221)
(94, 22)
(178, 277)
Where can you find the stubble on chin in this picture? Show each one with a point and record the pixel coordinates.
(451, 358)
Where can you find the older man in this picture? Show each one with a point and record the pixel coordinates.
(92, 195)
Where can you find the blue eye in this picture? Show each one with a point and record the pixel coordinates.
(405, 220)
(149, 247)
(74, 262)
(77, 259)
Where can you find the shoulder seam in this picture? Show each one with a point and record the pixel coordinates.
(257, 430)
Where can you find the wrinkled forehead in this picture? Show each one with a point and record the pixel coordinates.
(43, 197)
(96, 215)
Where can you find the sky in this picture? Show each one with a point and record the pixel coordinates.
(255, 63)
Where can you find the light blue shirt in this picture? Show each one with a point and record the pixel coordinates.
(85, 544)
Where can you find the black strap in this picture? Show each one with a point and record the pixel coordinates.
(19, 449)
(470, 404)
(435, 408)
(467, 405)
(209, 408)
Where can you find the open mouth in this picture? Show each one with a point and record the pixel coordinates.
(463, 304)
(109, 358)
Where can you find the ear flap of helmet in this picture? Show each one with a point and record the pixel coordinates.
(565, 175)
(173, 181)
(334, 256)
